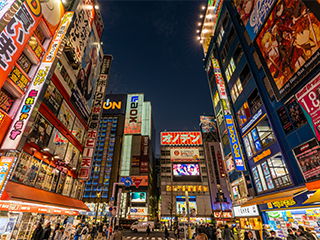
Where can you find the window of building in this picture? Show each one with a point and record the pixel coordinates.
(237, 54)
(254, 101)
(245, 75)
(225, 20)
(243, 114)
(236, 90)
(230, 69)
(220, 36)
(231, 35)
(224, 52)
(247, 37)
(6, 100)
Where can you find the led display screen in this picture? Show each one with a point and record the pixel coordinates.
(186, 169)
(138, 197)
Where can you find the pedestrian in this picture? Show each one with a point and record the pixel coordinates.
(166, 232)
(77, 235)
(100, 230)
(228, 234)
(94, 231)
(214, 233)
(58, 234)
(177, 232)
(46, 231)
(85, 232)
(219, 233)
(307, 234)
(201, 236)
(295, 231)
(265, 232)
(300, 234)
(56, 228)
(148, 231)
(291, 235)
(273, 236)
(246, 236)
(37, 233)
(116, 235)
(314, 233)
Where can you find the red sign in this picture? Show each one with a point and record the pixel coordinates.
(219, 160)
(137, 182)
(181, 138)
(144, 167)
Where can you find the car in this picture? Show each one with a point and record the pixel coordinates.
(141, 226)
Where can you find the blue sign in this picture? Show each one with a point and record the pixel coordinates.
(128, 182)
(253, 120)
(234, 141)
(259, 14)
(112, 199)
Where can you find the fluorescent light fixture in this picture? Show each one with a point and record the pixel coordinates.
(56, 157)
(96, 7)
(46, 149)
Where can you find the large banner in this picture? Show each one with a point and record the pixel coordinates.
(133, 118)
(288, 44)
(245, 9)
(309, 99)
(181, 138)
(83, 92)
(178, 154)
(208, 124)
(94, 123)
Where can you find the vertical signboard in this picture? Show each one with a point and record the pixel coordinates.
(133, 117)
(93, 127)
(5, 169)
(16, 35)
(104, 155)
(45, 70)
(144, 159)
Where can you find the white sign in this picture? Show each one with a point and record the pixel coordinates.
(184, 153)
(138, 211)
(248, 211)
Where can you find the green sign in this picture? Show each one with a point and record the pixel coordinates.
(273, 214)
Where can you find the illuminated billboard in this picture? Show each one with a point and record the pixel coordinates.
(181, 138)
(189, 169)
(208, 124)
(245, 9)
(184, 154)
(133, 119)
(181, 206)
(115, 104)
(287, 59)
(138, 197)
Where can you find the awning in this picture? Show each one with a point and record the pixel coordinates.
(22, 193)
(315, 198)
(283, 195)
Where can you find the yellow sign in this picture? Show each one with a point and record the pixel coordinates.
(112, 105)
(286, 203)
(262, 155)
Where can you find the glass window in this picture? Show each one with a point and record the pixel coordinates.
(62, 180)
(32, 172)
(265, 132)
(22, 167)
(41, 176)
(243, 114)
(262, 178)
(247, 146)
(257, 179)
(236, 90)
(279, 172)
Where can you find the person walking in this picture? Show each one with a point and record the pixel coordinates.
(56, 228)
(201, 236)
(148, 231)
(300, 234)
(273, 236)
(228, 234)
(291, 235)
(214, 233)
(37, 233)
(166, 232)
(58, 234)
(46, 231)
(85, 232)
(116, 235)
(177, 232)
(94, 231)
(219, 233)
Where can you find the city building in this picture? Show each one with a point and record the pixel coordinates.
(53, 83)
(184, 173)
(263, 81)
(125, 148)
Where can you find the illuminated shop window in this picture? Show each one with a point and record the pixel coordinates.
(24, 62)
(220, 36)
(236, 90)
(230, 69)
(243, 114)
(6, 100)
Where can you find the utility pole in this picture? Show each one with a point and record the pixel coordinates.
(188, 214)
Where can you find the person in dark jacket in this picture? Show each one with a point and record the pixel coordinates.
(56, 228)
(94, 231)
(100, 230)
(176, 232)
(46, 231)
(37, 233)
(291, 235)
(306, 234)
(228, 234)
(246, 236)
(166, 232)
(148, 231)
(214, 233)
(300, 234)
(273, 236)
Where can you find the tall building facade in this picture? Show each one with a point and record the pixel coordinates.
(124, 150)
(183, 169)
(48, 92)
(263, 82)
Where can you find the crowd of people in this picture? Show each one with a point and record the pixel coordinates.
(293, 234)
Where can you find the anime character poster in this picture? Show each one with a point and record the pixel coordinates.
(66, 115)
(52, 98)
(286, 42)
(186, 170)
(72, 156)
(245, 9)
(58, 144)
(83, 93)
(78, 130)
(40, 131)
(296, 114)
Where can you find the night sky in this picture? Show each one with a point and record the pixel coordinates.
(156, 52)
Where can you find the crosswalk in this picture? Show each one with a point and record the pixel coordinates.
(143, 238)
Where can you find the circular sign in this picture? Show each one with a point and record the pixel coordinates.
(110, 209)
(128, 182)
(112, 199)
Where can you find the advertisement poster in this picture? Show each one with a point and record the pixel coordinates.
(296, 114)
(32, 172)
(5, 166)
(186, 169)
(230, 164)
(58, 144)
(309, 99)
(66, 115)
(133, 117)
(289, 43)
(40, 131)
(184, 154)
(284, 119)
(52, 98)
(308, 157)
(83, 93)
(208, 124)
(181, 204)
(245, 9)
(22, 167)
(78, 130)
(138, 197)
(72, 156)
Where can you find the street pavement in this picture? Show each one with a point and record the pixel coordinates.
(154, 235)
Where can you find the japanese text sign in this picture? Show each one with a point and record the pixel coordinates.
(16, 35)
(94, 122)
(181, 138)
(219, 79)
(249, 211)
(235, 145)
(134, 109)
(21, 119)
(309, 98)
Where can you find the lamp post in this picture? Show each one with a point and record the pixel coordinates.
(99, 199)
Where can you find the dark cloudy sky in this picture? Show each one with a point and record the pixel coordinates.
(156, 52)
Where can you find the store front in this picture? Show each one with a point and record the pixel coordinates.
(222, 219)
(249, 220)
(22, 207)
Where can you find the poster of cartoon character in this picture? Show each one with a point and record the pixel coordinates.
(52, 98)
(40, 131)
(66, 115)
(72, 156)
(78, 130)
(58, 144)
(245, 8)
(287, 41)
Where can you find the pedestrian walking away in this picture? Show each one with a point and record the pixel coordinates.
(37, 233)
(116, 235)
(219, 233)
(46, 232)
(201, 236)
(177, 233)
(166, 232)
(148, 231)
(228, 234)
